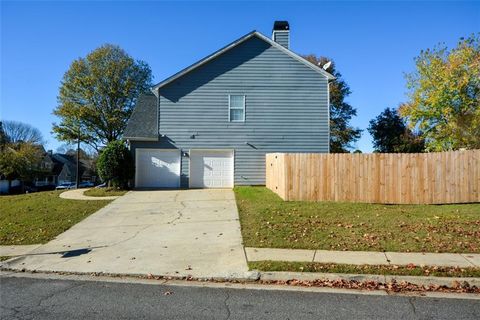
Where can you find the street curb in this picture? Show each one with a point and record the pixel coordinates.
(248, 276)
(416, 280)
(255, 275)
(254, 285)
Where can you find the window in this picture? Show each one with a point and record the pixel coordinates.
(236, 107)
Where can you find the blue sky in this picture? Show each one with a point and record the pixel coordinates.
(372, 43)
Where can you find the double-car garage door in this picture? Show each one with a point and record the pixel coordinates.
(161, 168)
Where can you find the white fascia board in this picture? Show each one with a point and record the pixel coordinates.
(295, 56)
(202, 61)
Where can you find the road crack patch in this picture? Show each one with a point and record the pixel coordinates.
(410, 300)
(227, 308)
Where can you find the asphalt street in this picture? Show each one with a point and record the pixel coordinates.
(32, 298)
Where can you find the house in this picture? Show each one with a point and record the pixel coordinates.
(51, 170)
(211, 124)
(59, 168)
(46, 176)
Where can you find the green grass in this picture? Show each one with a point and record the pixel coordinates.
(364, 269)
(3, 258)
(269, 222)
(104, 192)
(39, 217)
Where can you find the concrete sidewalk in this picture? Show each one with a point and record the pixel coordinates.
(17, 250)
(462, 260)
(77, 194)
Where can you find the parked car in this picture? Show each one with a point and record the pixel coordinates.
(30, 189)
(86, 184)
(103, 185)
(65, 186)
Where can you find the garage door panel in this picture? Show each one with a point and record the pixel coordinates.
(157, 168)
(211, 168)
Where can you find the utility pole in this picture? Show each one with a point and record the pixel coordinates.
(77, 180)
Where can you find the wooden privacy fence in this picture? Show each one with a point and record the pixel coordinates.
(401, 178)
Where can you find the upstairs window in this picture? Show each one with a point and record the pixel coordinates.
(236, 107)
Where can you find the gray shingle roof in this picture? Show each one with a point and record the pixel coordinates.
(70, 161)
(143, 121)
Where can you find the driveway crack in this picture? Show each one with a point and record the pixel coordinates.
(179, 212)
(129, 238)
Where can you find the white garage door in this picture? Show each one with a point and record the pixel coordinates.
(211, 168)
(157, 168)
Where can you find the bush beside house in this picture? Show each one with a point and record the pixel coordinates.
(115, 165)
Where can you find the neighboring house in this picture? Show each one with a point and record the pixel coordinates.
(62, 168)
(211, 124)
(38, 169)
(46, 171)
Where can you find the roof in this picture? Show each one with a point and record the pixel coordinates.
(233, 45)
(67, 160)
(142, 125)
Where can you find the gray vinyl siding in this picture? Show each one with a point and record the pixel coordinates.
(282, 38)
(286, 109)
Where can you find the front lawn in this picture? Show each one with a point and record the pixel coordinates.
(104, 192)
(40, 217)
(269, 222)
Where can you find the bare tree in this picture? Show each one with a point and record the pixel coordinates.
(16, 131)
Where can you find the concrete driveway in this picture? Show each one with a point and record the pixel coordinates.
(170, 233)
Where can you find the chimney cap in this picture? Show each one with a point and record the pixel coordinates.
(281, 25)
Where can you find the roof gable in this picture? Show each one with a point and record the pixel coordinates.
(143, 121)
(233, 45)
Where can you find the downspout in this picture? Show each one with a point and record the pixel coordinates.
(158, 112)
(328, 120)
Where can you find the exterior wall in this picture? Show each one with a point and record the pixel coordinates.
(286, 109)
(65, 176)
(4, 186)
(45, 180)
(282, 37)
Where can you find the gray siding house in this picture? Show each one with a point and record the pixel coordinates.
(211, 124)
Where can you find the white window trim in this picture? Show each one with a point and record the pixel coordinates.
(229, 108)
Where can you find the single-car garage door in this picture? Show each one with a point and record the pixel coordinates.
(211, 168)
(157, 168)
